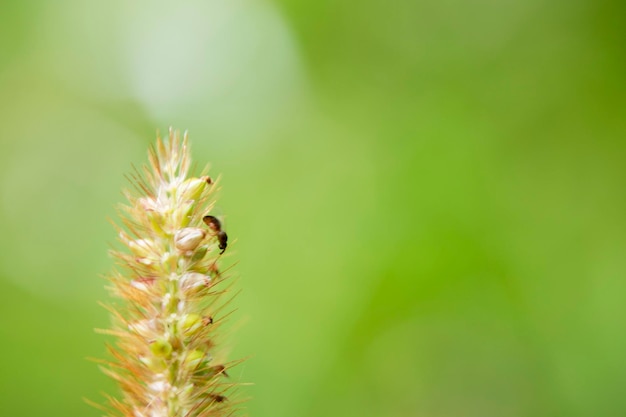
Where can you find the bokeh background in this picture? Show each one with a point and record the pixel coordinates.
(428, 196)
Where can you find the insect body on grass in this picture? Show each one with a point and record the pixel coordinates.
(216, 226)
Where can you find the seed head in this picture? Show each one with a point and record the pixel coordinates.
(165, 358)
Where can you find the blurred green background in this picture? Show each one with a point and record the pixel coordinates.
(428, 196)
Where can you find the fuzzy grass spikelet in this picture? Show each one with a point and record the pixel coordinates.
(169, 287)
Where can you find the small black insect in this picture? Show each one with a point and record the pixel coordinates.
(219, 369)
(222, 237)
(218, 398)
(215, 225)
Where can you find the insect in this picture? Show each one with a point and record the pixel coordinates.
(219, 369)
(222, 237)
(218, 398)
(216, 226)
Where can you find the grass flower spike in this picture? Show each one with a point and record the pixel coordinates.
(169, 283)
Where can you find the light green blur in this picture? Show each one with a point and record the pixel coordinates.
(426, 199)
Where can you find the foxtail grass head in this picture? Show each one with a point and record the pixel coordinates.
(169, 292)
